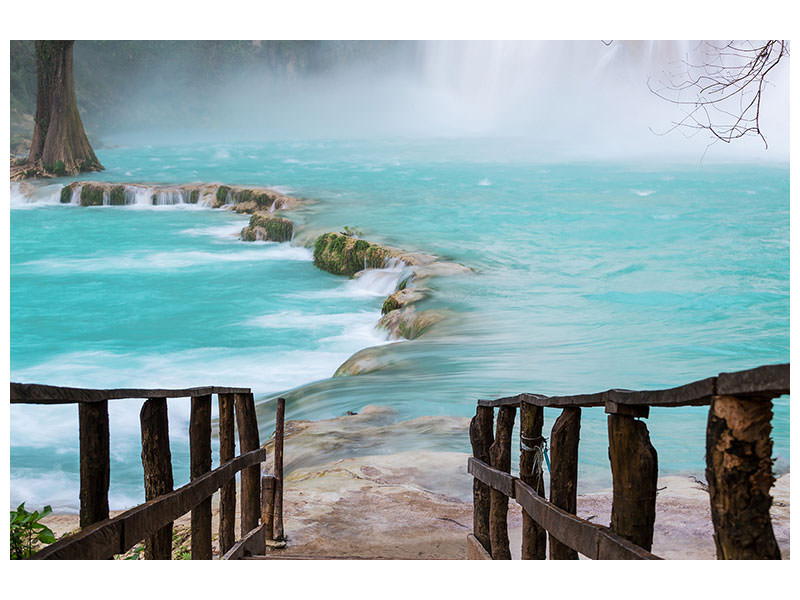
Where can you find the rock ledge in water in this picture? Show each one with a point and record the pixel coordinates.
(267, 227)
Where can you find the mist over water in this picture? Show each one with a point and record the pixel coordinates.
(603, 255)
(552, 100)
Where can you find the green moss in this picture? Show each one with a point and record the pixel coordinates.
(117, 196)
(344, 255)
(66, 194)
(390, 304)
(91, 195)
(264, 226)
(193, 197)
(222, 195)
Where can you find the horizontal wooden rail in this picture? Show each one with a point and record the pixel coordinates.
(34, 393)
(119, 534)
(592, 540)
(765, 382)
(494, 478)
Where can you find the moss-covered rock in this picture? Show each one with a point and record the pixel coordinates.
(193, 196)
(116, 196)
(345, 255)
(92, 195)
(66, 194)
(221, 196)
(403, 297)
(266, 227)
(408, 323)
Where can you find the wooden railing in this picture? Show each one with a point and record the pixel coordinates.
(102, 537)
(738, 470)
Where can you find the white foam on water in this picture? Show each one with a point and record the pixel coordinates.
(225, 232)
(161, 261)
(485, 182)
(643, 193)
(24, 195)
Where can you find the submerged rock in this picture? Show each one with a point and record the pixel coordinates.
(367, 360)
(346, 255)
(266, 227)
(408, 323)
(403, 297)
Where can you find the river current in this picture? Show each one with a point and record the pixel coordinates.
(586, 276)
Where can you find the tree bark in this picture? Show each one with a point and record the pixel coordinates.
(59, 145)
(739, 474)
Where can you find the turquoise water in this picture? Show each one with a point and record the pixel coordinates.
(587, 276)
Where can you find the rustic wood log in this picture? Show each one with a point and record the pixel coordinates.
(251, 544)
(200, 459)
(495, 478)
(590, 539)
(564, 472)
(34, 393)
(227, 493)
(276, 533)
(95, 462)
(157, 463)
(739, 474)
(119, 534)
(481, 438)
(268, 505)
(531, 422)
(634, 470)
(500, 457)
(251, 477)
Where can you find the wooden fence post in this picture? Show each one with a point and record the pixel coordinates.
(200, 459)
(634, 469)
(268, 505)
(564, 472)
(481, 438)
(531, 422)
(277, 532)
(95, 461)
(157, 464)
(500, 456)
(227, 493)
(251, 476)
(739, 474)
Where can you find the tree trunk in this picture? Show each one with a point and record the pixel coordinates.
(59, 145)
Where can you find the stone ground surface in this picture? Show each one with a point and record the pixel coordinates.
(365, 499)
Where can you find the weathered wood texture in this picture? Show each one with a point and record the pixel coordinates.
(590, 539)
(531, 422)
(769, 381)
(481, 437)
(267, 505)
(475, 550)
(251, 477)
(739, 474)
(494, 478)
(120, 534)
(276, 533)
(227, 493)
(500, 458)
(251, 544)
(157, 463)
(95, 462)
(34, 393)
(564, 472)
(200, 459)
(634, 470)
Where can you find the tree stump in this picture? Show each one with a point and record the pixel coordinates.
(739, 474)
